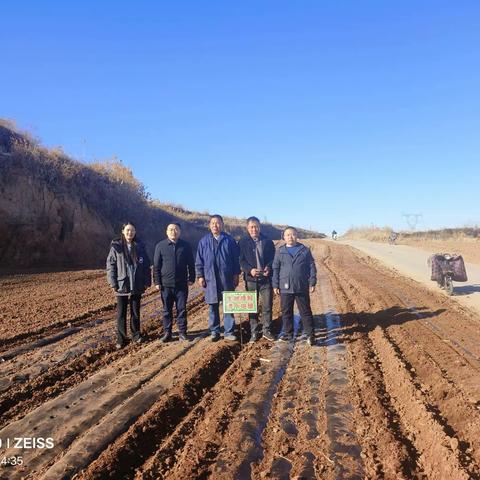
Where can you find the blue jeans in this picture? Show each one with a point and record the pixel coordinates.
(214, 320)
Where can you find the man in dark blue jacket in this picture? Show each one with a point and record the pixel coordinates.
(173, 272)
(217, 270)
(256, 258)
(294, 278)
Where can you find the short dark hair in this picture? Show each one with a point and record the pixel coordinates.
(217, 216)
(175, 223)
(252, 219)
(289, 227)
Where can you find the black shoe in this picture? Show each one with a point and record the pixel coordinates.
(166, 337)
(214, 337)
(183, 337)
(285, 338)
(311, 340)
(139, 340)
(118, 346)
(269, 336)
(253, 338)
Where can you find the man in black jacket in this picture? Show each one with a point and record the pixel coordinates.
(173, 272)
(256, 257)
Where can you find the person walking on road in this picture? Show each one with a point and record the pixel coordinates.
(217, 269)
(294, 278)
(128, 273)
(173, 273)
(256, 257)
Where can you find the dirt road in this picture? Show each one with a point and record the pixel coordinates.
(392, 390)
(412, 262)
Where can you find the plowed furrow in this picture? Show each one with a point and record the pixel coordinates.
(163, 403)
(194, 448)
(76, 411)
(440, 389)
(35, 377)
(439, 454)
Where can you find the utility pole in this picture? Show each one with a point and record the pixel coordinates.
(412, 219)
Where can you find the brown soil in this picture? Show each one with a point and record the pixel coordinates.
(390, 391)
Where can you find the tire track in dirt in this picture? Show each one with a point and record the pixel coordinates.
(344, 447)
(294, 444)
(247, 425)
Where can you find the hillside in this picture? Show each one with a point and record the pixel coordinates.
(56, 212)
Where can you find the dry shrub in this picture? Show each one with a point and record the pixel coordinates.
(373, 233)
(117, 172)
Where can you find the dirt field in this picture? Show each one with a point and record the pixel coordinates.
(469, 248)
(392, 390)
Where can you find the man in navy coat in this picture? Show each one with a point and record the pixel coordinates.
(217, 269)
(294, 278)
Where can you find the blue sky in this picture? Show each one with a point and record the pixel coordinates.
(313, 113)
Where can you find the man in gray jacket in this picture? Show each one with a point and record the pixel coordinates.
(294, 278)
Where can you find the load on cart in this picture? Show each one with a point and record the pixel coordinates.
(446, 269)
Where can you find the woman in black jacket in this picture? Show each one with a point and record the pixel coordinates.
(128, 273)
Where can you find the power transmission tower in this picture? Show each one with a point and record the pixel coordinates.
(412, 219)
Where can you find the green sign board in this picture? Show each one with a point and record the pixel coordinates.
(240, 302)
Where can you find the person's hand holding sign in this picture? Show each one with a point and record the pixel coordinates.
(255, 272)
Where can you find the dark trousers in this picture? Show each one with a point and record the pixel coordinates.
(303, 304)
(177, 296)
(123, 301)
(265, 299)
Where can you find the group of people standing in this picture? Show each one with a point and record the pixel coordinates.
(288, 271)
